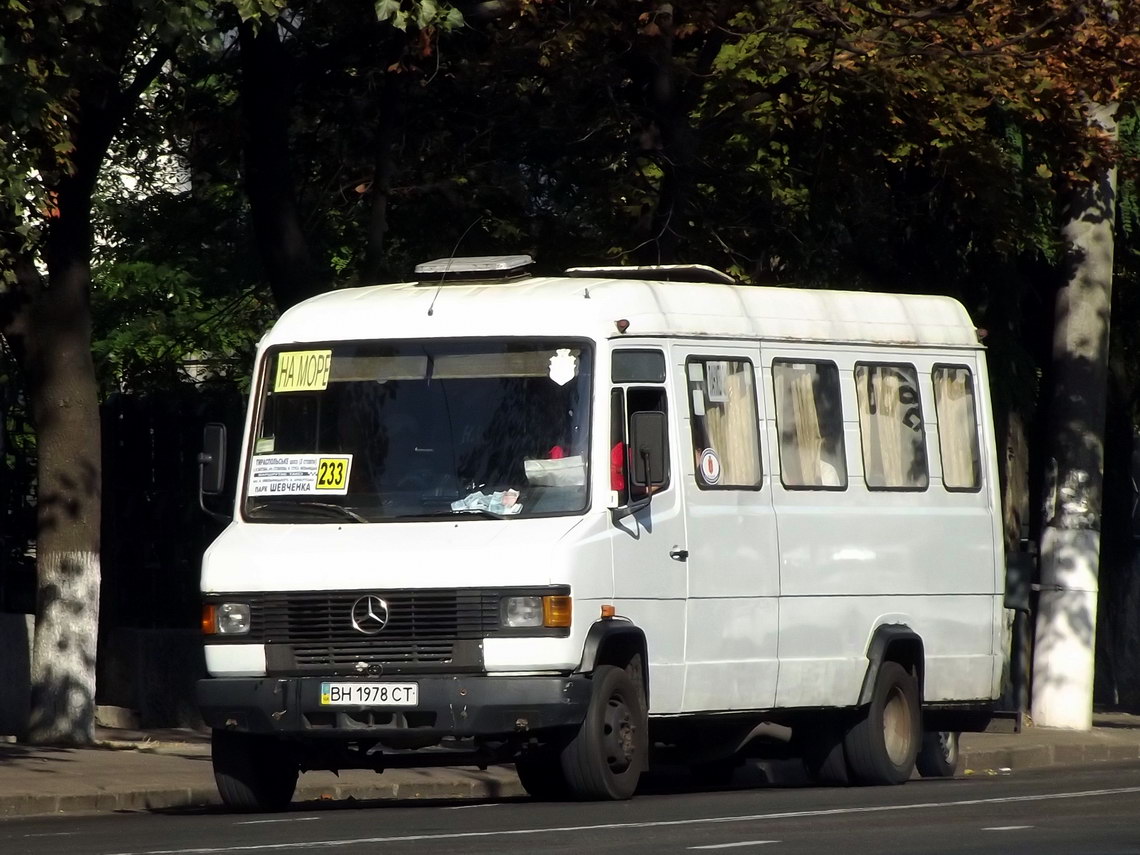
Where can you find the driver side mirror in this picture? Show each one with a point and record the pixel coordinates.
(648, 443)
(212, 467)
(212, 460)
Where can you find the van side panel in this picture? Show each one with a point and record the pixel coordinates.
(853, 559)
(731, 646)
(1002, 622)
(650, 587)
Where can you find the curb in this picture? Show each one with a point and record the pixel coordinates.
(132, 800)
(207, 796)
(981, 761)
(475, 788)
(1041, 755)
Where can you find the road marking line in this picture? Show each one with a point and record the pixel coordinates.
(735, 845)
(618, 826)
(272, 821)
(1007, 827)
(469, 807)
(54, 834)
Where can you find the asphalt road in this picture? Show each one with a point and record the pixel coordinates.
(1090, 811)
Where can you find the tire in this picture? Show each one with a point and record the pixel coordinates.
(541, 776)
(882, 744)
(253, 772)
(605, 758)
(938, 755)
(825, 760)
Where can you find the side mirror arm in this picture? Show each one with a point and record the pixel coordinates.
(630, 509)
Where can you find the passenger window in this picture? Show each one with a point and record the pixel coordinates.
(809, 421)
(617, 465)
(726, 434)
(890, 424)
(957, 427)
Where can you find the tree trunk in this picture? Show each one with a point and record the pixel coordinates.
(1070, 540)
(388, 125)
(53, 339)
(266, 85)
(670, 140)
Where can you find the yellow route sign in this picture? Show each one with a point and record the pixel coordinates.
(332, 473)
(302, 370)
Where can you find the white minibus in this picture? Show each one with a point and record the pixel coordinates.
(588, 522)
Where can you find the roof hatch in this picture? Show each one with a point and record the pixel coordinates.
(482, 267)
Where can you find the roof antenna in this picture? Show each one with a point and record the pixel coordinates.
(443, 275)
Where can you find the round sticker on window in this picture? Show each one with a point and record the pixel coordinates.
(709, 467)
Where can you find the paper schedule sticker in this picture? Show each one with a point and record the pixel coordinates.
(302, 370)
(305, 474)
(716, 387)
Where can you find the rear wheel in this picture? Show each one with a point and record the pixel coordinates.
(253, 772)
(882, 744)
(938, 757)
(824, 758)
(605, 758)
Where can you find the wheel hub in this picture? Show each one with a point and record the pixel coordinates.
(897, 735)
(618, 734)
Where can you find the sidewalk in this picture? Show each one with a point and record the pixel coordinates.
(168, 769)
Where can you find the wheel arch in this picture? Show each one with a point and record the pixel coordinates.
(893, 643)
(613, 641)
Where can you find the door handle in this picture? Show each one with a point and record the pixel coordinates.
(679, 554)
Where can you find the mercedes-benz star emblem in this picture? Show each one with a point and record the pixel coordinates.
(369, 614)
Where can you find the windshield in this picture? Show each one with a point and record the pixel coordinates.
(375, 431)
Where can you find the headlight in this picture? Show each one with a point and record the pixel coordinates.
(553, 610)
(522, 611)
(225, 619)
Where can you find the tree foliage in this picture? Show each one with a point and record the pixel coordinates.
(236, 157)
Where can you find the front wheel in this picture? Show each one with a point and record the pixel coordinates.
(605, 758)
(938, 757)
(540, 774)
(253, 772)
(881, 746)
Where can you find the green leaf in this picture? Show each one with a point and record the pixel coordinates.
(387, 10)
(453, 20)
(428, 10)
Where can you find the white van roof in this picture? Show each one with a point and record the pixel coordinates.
(589, 305)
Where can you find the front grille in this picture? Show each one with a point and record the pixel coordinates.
(314, 629)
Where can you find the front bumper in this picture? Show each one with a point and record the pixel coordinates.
(449, 706)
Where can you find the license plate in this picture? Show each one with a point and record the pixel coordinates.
(370, 694)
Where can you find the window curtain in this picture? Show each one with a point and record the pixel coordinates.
(732, 429)
(808, 440)
(957, 428)
(880, 421)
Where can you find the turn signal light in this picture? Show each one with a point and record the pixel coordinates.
(556, 610)
(225, 618)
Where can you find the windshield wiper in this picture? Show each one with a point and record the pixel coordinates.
(483, 512)
(340, 510)
(439, 515)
